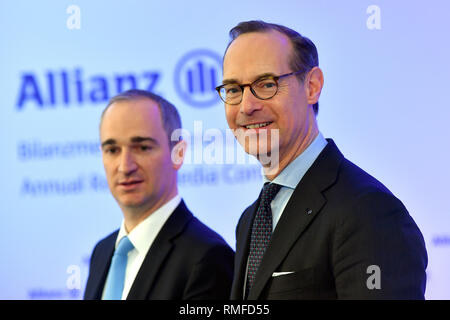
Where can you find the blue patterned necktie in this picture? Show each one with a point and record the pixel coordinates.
(116, 275)
(261, 232)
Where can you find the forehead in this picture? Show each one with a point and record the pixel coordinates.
(255, 53)
(130, 118)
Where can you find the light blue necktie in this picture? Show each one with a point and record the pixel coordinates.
(116, 275)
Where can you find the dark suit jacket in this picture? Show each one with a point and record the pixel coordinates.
(187, 260)
(338, 222)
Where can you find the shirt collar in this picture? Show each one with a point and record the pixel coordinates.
(294, 172)
(145, 232)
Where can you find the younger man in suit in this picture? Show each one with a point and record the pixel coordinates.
(161, 251)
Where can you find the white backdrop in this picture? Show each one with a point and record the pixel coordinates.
(384, 103)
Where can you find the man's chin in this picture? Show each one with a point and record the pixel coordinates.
(130, 202)
(269, 160)
(262, 145)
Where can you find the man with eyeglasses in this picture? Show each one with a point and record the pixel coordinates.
(322, 228)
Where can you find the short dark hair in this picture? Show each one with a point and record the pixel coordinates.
(169, 114)
(304, 55)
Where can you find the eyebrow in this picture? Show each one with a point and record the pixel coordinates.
(143, 139)
(133, 140)
(263, 75)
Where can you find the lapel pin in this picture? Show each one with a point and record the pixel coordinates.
(309, 211)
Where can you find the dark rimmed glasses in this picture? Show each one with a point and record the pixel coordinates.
(263, 88)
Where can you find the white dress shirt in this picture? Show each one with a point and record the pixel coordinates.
(142, 237)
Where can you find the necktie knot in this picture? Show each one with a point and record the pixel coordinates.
(124, 247)
(269, 192)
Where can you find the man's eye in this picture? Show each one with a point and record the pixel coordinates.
(111, 150)
(144, 148)
(232, 89)
(266, 84)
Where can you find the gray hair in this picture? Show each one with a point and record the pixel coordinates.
(169, 114)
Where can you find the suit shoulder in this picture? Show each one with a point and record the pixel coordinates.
(106, 241)
(358, 193)
(199, 234)
(355, 179)
(199, 244)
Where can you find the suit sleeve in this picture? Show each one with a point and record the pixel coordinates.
(379, 252)
(211, 278)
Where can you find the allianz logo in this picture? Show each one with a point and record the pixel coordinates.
(196, 76)
(68, 87)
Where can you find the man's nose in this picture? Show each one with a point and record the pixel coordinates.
(127, 163)
(250, 103)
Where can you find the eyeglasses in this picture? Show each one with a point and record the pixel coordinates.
(263, 88)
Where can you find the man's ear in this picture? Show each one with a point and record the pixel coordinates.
(178, 153)
(314, 85)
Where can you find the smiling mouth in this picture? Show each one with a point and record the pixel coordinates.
(257, 125)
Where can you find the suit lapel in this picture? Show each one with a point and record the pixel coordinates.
(303, 206)
(100, 267)
(158, 252)
(242, 248)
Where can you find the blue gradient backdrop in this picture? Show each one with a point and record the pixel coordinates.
(384, 103)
